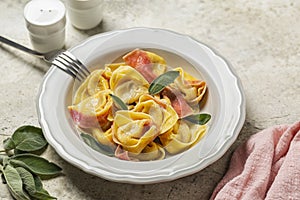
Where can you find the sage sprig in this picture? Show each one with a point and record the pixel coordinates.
(163, 80)
(200, 119)
(21, 168)
(120, 104)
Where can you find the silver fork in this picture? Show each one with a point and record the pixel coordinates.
(62, 59)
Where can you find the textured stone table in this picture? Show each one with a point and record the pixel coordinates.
(261, 39)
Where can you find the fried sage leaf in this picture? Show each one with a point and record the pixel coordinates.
(92, 142)
(200, 119)
(162, 81)
(35, 164)
(14, 182)
(29, 138)
(120, 104)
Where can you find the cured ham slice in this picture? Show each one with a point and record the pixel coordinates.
(178, 102)
(93, 111)
(139, 57)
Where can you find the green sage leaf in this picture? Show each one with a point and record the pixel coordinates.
(29, 138)
(33, 185)
(200, 119)
(39, 188)
(162, 81)
(27, 178)
(38, 183)
(94, 144)
(8, 144)
(17, 151)
(42, 195)
(14, 182)
(119, 102)
(35, 164)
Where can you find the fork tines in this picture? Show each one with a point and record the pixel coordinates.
(71, 65)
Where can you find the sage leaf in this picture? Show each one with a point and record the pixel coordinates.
(42, 195)
(17, 151)
(29, 138)
(38, 183)
(120, 104)
(27, 178)
(40, 191)
(14, 182)
(35, 164)
(200, 119)
(94, 144)
(162, 81)
(8, 144)
(33, 185)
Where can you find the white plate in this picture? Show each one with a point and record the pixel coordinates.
(225, 102)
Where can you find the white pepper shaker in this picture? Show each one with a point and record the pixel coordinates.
(85, 14)
(46, 21)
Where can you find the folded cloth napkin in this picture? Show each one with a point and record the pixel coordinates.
(267, 166)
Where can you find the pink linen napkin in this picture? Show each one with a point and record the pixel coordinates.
(267, 166)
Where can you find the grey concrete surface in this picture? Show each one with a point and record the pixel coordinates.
(261, 39)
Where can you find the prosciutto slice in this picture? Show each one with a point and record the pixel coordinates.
(178, 102)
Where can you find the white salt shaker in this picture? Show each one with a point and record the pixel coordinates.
(46, 21)
(85, 14)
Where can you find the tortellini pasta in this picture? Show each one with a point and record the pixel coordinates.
(96, 81)
(133, 130)
(93, 110)
(128, 84)
(182, 136)
(161, 113)
(192, 88)
(151, 126)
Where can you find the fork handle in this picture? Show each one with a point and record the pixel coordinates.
(20, 47)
